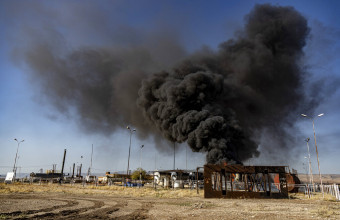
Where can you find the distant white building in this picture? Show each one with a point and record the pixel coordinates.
(9, 177)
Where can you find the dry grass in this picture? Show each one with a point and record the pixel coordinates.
(127, 191)
(109, 190)
(10, 216)
(323, 211)
(315, 196)
(193, 204)
(326, 211)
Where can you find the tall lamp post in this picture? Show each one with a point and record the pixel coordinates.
(316, 149)
(16, 156)
(174, 155)
(128, 167)
(140, 172)
(310, 165)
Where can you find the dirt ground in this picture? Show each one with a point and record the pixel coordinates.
(93, 205)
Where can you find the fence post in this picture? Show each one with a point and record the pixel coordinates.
(331, 191)
(336, 189)
(308, 191)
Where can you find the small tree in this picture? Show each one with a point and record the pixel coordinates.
(136, 174)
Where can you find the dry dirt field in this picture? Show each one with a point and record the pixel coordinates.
(77, 202)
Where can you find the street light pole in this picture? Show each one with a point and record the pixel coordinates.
(310, 165)
(16, 155)
(316, 149)
(128, 167)
(174, 155)
(140, 171)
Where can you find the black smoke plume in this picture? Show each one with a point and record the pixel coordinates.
(216, 102)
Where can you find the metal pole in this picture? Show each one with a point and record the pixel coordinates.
(140, 171)
(128, 167)
(310, 166)
(154, 180)
(62, 168)
(91, 161)
(197, 180)
(174, 155)
(307, 171)
(317, 156)
(186, 157)
(15, 159)
(316, 149)
(16, 156)
(80, 171)
(73, 170)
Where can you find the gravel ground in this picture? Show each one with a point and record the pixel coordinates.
(48, 205)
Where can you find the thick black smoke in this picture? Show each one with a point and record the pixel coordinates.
(216, 102)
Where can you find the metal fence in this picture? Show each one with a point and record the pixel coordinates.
(332, 190)
(310, 189)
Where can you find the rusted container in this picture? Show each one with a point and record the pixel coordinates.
(291, 179)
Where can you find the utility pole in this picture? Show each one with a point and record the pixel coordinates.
(316, 149)
(89, 170)
(186, 157)
(91, 159)
(310, 165)
(15, 161)
(174, 155)
(155, 161)
(128, 167)
(317, 156)
(140, 172)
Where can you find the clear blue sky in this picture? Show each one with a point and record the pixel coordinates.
(24, 114)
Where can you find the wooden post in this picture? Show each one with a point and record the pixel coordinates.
(245, 182)
(221, 182)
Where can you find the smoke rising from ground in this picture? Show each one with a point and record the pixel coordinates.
(216, 102)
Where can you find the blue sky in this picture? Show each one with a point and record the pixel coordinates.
(25, 114)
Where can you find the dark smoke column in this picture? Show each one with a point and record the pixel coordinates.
(217, 102)
(224, 103)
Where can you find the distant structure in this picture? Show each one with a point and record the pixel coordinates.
(50, 174)
(238, 181)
